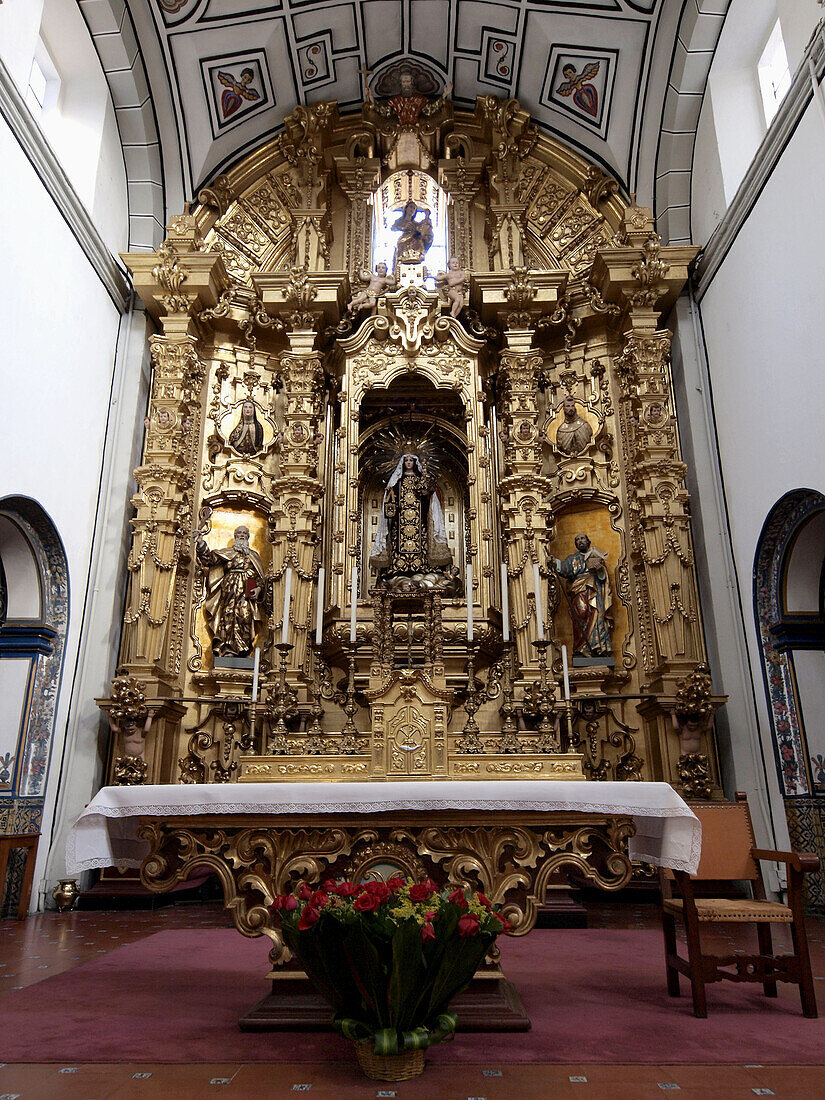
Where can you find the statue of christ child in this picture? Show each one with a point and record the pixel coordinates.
(411, 538)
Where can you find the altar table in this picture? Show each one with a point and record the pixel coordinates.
(666, 832)
(504, 837)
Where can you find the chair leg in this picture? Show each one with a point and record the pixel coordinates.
(763, 931)
(806, 982)
(697, 977)
(669, 930)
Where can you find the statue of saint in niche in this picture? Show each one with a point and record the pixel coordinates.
(411, 540)
(416, 235)
(234, 586)
(574, 433)
(247, 437)
(590, 597)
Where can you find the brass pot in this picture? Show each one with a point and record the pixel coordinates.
(66, 894)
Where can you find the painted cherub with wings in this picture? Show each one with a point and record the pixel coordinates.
(236, 91)
(576, 84)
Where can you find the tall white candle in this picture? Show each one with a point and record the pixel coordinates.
(469, 602)
(354, 610)
(319, 607)
(287, 594)
(566, 674)
(255, 670)
(505, 603)
(539, 612)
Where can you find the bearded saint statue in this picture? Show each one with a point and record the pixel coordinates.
(411, 537)
(234, 586)
(590, 598)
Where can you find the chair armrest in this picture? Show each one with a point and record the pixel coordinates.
(800, 861)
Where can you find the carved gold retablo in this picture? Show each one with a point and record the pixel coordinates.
(411, 436)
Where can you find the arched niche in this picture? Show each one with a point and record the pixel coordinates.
(32, 641)
(397, 418)
(790, 619)
(255, 214)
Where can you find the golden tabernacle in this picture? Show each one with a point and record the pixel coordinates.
(411, 502)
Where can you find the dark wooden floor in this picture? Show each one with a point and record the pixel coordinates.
(44, 945)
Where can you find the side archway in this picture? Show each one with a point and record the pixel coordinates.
(789, 605)
(32, 641)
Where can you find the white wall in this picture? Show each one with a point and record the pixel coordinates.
(749, 375)
(74, 377)
(763, 329)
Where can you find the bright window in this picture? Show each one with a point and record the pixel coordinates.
(774, 74)
(44, 82)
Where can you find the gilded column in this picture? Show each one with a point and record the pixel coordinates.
(645, 278)
(174, 283)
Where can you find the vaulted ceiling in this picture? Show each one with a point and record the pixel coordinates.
(198, 83)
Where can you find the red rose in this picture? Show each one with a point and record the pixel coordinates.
(457, 898)
(366, 903)
(420, 892)
(484, 901)
(308, 918)
(328, 886)
(427, 931)
(345, 889)
(290, 903)
(304, 893)
(319, 899)
(378, 890)
(395, 883)
(278, 903)
(431, 886)
(505, 924)
(468, 925)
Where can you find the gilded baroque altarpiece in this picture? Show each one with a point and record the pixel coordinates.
(529, 387)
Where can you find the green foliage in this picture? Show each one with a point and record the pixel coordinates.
(389, 958)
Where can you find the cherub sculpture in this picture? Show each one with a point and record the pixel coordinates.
(453, 281)
(377, 284)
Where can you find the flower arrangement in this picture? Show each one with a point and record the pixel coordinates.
(389, 956)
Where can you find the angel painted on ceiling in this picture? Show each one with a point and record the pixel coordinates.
(585, 96)
(236, 91)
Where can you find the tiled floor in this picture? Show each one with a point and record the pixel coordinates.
(45, 945)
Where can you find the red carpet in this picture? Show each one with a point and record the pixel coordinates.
(593, 996)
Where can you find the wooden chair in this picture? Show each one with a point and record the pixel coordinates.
(729, 853)
(28, 842)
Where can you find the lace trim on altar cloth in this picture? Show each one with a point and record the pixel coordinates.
(357, 806)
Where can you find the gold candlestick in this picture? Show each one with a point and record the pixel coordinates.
(350, 730)
(278, 744)
(471, 742)
(548, 737)
(507, 709)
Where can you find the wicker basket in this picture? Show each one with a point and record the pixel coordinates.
(389, 1067)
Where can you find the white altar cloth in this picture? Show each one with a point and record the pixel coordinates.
(668, 834)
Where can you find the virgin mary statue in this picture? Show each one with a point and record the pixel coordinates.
(411, 537)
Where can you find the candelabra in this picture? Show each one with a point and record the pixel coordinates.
(277, 744)
(314, 684)
(509, 741)
(350, 730)
(471, 742)
(507, 710)
(568, 710)
(548, 740)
